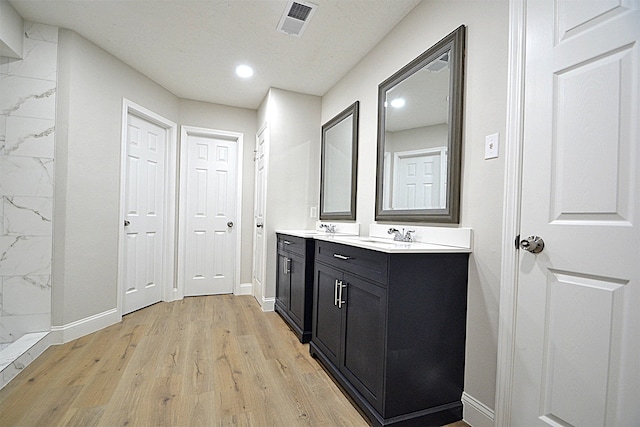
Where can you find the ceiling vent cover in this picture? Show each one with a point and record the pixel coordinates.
(296, 17)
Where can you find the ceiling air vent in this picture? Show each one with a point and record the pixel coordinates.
(296, 17)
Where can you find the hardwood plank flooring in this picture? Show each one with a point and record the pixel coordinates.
(202, 361)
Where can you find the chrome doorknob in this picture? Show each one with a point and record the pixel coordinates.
(230, 224)
(533, 244)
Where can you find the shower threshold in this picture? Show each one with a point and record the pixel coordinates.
(20, 353)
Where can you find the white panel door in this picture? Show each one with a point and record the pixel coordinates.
(144, 213)
(418, 182)
(577, 336)
(259, 216)
(209, 257)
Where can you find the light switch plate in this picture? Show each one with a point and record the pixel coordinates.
(491, 145)
(313, 212)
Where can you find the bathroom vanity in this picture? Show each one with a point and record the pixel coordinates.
(294, 282)
(389, 325)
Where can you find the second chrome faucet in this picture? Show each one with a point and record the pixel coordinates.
(401, 237)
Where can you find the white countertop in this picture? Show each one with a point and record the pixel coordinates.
(309, 233)
(391, 246)
(387, 245)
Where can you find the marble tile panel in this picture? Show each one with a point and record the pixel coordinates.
(24, 324)
(25, 255)
(6, 335)
(26, 216)
(26, 295)
(39, 61)
(27, 97)
(26, 176)
(3, 129)
(42, 32)
(29, 137)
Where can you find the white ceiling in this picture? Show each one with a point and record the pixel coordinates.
(191, 47)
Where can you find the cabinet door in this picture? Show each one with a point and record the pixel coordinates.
(364, 337)
(327, 322)
(283, 282)
(297, 288)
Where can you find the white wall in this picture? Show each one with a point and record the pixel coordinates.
(11, 26)
(92, 84)
(482, 180)
(222, 117)
(293, 181)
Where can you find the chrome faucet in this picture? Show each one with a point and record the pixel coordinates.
(329, 228)
(401, 237)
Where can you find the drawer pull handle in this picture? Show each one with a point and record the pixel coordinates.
(341, 288)
(335, 292)
(341, 256)
(286, 242)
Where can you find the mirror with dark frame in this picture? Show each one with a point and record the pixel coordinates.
(338, 168)
(420, 136)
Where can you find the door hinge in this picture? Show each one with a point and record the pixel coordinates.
(517, 242)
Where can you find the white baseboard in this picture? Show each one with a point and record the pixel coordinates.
(245, 289)
(268, 304)
(79, 328)
(476, 413)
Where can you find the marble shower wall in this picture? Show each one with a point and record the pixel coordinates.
(27, 136)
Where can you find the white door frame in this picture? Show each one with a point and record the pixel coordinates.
(185, 132)
(511, 211)
(171, 146)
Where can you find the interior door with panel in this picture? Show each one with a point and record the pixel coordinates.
(577, 331)
(144, 213)
(259, 214)
(210, 213)
(419, 181)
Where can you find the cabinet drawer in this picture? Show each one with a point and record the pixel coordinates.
(363, 262)
(291, 244)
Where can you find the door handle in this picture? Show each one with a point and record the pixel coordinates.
(335, 292)
(230, 224)
(127, 223)
(259, 225)
(533, 244)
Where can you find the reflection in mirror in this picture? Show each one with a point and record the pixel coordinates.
(419, 136)
(338, 166)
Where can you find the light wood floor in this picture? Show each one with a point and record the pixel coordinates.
(202, 361)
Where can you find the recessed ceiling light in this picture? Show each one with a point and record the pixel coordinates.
(397, 103)
(244, 71)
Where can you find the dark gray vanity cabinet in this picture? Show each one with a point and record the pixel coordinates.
(390, 329)
(294, 283)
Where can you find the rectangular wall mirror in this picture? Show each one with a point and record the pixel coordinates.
(420, 136)
(338, 169)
